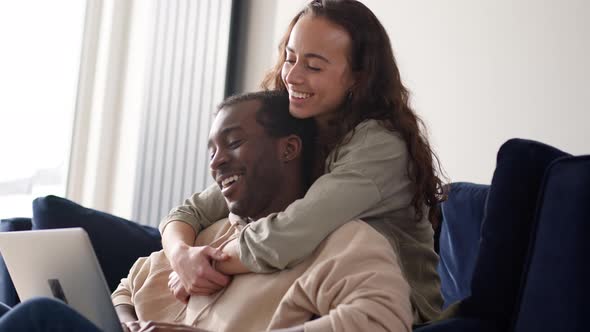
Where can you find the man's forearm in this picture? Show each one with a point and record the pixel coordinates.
(126, 313)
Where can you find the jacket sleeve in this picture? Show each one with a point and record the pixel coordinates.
(126, 289)
(354, 284)
(200, 210)
(352, 189)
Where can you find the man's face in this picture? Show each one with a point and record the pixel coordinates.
(244, 160)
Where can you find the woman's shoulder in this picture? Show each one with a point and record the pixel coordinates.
(370, 133)
(369, 142)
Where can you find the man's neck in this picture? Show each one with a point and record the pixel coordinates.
(290, 190)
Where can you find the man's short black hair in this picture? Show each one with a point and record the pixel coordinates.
(273, 115)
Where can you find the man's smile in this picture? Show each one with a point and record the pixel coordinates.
(229, 183)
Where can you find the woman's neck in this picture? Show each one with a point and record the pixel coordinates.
(326, 139)
(327, 128)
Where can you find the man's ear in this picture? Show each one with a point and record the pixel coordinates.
(290, 148)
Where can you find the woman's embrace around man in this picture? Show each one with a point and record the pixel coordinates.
(372, 161)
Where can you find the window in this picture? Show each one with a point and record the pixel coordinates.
(39, 65)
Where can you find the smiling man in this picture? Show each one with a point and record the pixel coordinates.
(261, 160)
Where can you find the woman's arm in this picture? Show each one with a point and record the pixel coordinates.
(232, 265)
(179, 230)
(199, 211)
(367, 178)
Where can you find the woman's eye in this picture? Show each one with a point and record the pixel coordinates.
(313, 68)
(291, 61)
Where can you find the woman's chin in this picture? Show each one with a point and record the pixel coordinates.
(299, 113)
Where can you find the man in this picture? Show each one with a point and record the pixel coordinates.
(260, 157)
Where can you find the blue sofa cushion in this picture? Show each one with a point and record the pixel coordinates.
(112, 237)
(15, 224)
(462, 214)
(8, 294)
(555, 296)
(506, 228)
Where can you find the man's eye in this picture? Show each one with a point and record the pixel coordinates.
(234, 144)
(291, 61)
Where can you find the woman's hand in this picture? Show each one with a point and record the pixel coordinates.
(232, 265)
(195, 273)
(177, 288)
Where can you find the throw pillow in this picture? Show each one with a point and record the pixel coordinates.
(459, 239)
(118, 242)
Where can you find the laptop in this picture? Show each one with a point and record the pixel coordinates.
(60, 263)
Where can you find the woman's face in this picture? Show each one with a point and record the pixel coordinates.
(316, 71)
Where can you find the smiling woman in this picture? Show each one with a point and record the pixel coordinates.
(316, 68)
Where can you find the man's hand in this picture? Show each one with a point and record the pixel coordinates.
(141, 326)
(193, 267)
(133, 326)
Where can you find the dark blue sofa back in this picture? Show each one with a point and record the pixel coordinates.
(555, 295)
(117, 242)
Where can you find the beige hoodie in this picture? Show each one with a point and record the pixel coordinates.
(352, 282)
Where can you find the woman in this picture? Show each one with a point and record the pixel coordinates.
(373, 162)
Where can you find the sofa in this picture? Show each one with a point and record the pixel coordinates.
(512, 253)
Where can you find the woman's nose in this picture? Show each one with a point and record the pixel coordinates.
(294, 74)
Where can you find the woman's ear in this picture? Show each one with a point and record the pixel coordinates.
(289, 148)
(356, 78)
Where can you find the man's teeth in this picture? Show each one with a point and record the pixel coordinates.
(300, 95)
(229, 181)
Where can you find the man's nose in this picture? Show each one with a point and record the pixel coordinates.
(219, 159)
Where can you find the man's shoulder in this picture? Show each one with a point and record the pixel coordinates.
(209, 234)
(356, 228)
(355, 233)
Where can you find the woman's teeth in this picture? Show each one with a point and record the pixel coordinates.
(227, 182)
(299, 95)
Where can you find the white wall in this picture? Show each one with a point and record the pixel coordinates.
(482, 72)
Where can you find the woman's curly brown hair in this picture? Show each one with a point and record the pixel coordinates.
(378, 93)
